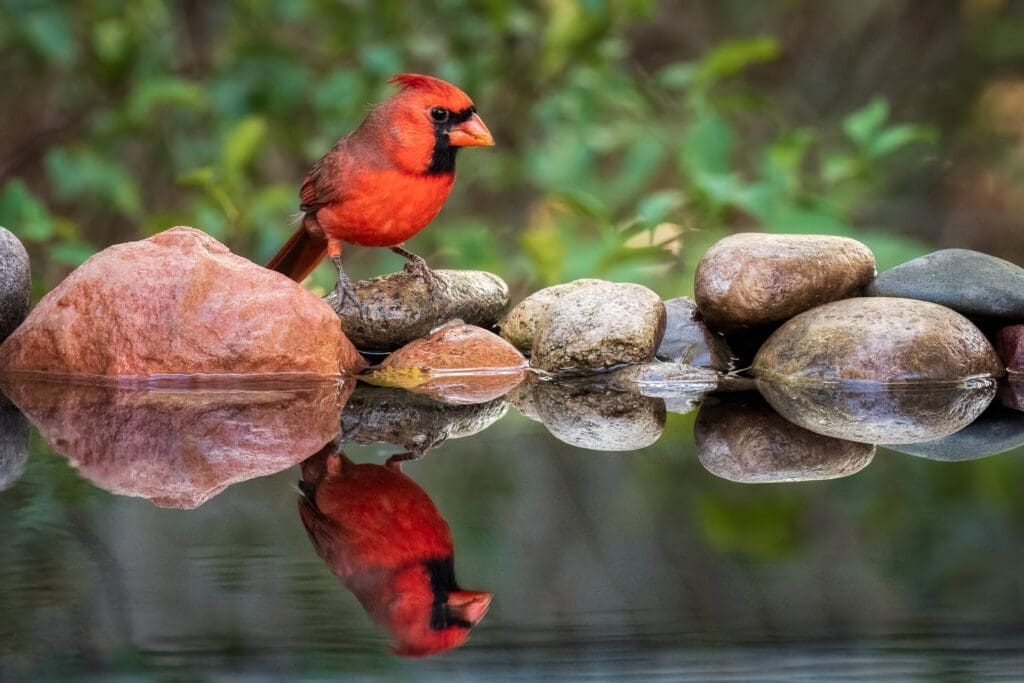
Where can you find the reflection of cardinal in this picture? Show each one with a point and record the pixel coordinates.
(380, 533)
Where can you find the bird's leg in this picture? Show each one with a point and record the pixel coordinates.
(418, 267)
(344, 288)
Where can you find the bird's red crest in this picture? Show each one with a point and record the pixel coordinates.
(448, 94)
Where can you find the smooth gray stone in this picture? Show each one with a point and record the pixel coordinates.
(15, 282)
(689, 341)
(996, 431)
(969, 282)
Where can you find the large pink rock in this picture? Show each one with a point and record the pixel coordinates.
(180, 446)
(178, 303)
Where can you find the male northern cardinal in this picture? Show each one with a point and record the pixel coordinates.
(380, 534)
(385, 181)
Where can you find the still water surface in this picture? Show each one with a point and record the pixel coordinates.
(635, 563)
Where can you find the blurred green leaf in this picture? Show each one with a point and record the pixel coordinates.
(862, 125)
(242, 143)
(23, 214)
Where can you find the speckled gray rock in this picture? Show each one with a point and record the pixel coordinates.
(13, 443)
(519, 326)
(598, 327)
(740, 438)
(415, 422)
(15, 282)
(969, 282)
(752, 279)
(881, 413)
(397, 308)
(689, 341)
(877, 340)
(998, 430)
(590, 415)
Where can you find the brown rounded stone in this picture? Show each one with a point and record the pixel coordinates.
(754, 279)
(740, 438)
(178, 303)
(457, 364)
(181, 446)
(877, 340)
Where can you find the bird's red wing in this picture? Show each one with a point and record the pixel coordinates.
(325, 182)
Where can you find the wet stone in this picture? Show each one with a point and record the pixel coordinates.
(974, 284)
(740, 438)
(590, 415)
(689, 341)
(457, 363)
(1011, 392)
(599, 326)
(880, 413)
(996, 431)
(681, 387)
(877, 340)
(1010, 347)
(415, 422)
(178, 303)
(398, 308)
(15, 283)
(751, 280)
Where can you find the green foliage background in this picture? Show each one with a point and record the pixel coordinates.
(631, 134)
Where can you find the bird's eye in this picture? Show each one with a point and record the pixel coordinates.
(439, 114)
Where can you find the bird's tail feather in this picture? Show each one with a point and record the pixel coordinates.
(300, 254)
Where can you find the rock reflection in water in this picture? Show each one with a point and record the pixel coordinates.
(180, 447)
(13, 443)
(415, 422)
(740, 438)
(998, 430)
(380, 533)
(592, 415)
(880, 413)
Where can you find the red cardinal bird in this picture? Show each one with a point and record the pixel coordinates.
(385, 181)
(380, 533)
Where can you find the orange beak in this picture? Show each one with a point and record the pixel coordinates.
(470, 606)
(470, 133)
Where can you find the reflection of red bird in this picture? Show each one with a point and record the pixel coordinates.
(385, 181)
(380, 533)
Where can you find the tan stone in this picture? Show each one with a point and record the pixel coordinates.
(178, 303)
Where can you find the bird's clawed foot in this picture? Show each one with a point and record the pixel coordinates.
(417, 266)
(344, 289)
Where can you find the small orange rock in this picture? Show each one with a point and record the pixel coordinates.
(457, 364)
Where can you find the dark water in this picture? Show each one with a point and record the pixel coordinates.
(631, 564)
